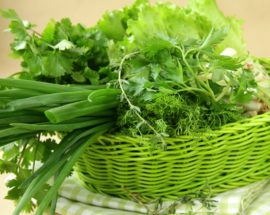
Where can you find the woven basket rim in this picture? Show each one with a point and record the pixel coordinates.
(227, 128)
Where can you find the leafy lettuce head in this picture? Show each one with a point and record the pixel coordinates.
(144, 22)
(210, 10)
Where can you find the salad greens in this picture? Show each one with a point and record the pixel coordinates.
(159, 70)
(234, 38)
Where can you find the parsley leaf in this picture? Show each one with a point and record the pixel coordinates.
(56, 65)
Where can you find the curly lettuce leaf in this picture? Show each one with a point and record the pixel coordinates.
(234, 38)
(169, 22)
(114, 23)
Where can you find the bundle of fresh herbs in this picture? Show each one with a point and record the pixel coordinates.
(158, 70)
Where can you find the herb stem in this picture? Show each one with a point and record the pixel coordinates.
(21, 157)
(120, 78)
(133, 107)
(204, 86)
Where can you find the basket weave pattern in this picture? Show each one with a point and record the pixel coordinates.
(234, 156)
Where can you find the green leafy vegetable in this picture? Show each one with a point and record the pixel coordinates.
(158, 70)
(234, 38)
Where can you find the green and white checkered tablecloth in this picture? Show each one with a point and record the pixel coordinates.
(253, 199)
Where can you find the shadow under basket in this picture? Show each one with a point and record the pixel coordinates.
(234, 156)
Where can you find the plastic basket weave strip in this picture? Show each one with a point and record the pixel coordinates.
(234, 156)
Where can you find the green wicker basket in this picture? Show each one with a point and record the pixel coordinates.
(234, 156)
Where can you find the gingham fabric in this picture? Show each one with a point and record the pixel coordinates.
(73, 199)
(261, 206)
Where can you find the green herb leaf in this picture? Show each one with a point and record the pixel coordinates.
(56, 65)
(49, 32)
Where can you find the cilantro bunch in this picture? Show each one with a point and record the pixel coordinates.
(158, 70)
